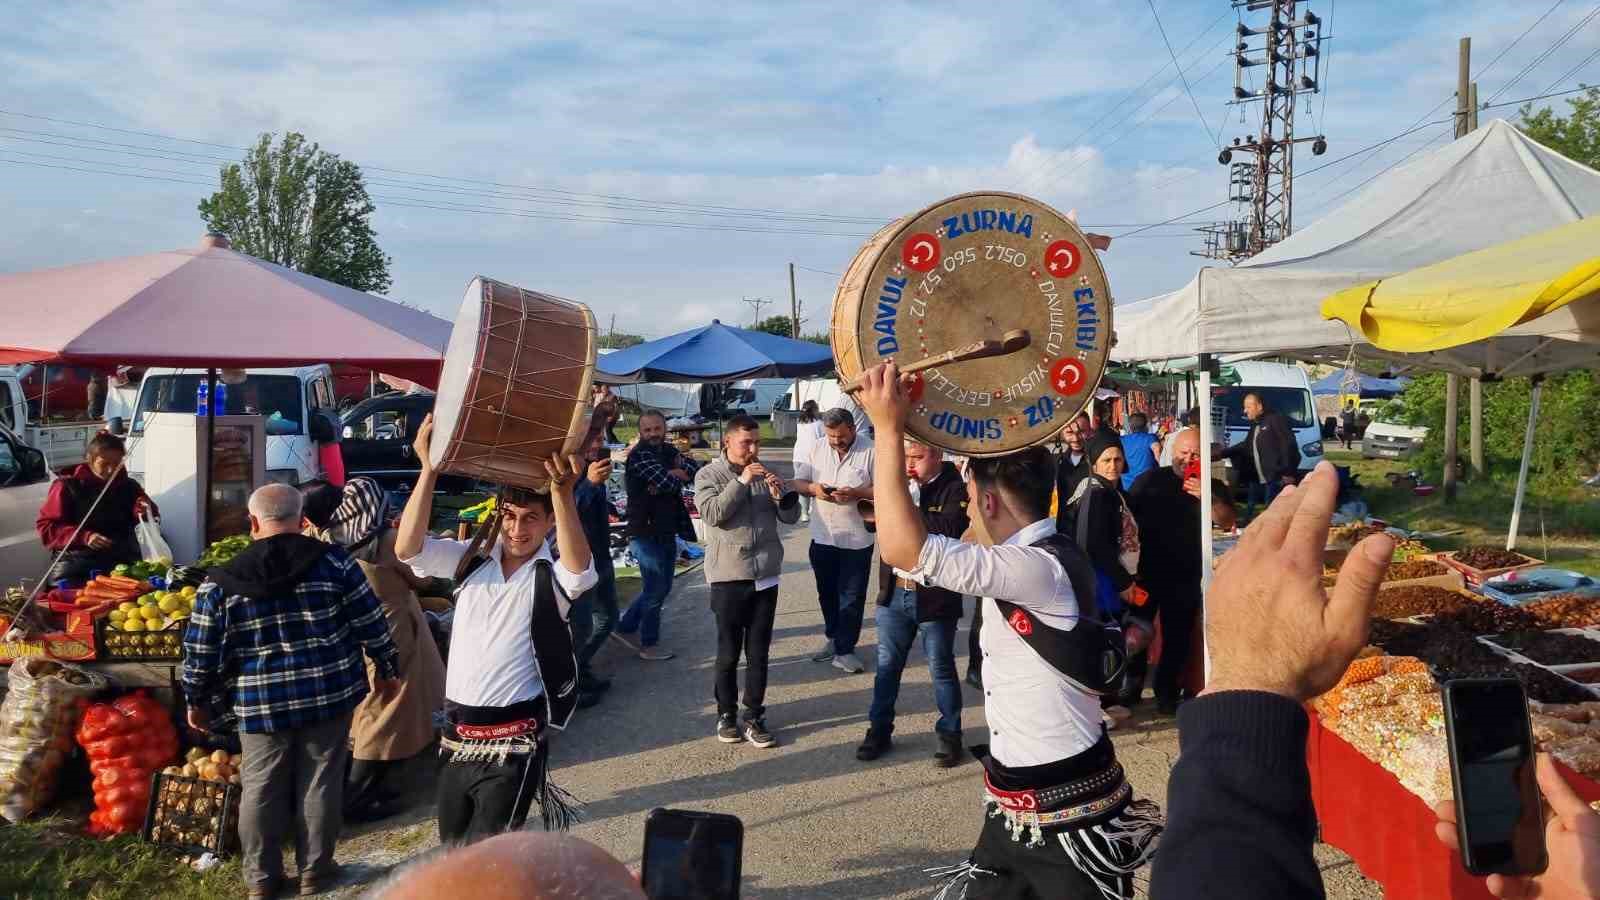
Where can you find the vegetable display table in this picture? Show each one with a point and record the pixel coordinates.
(1387, 830)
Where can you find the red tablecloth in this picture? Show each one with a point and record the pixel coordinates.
(1385, 828)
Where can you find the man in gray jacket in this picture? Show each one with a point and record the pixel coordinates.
(741, 503)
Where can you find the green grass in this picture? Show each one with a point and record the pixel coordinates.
(51, 858)
(1569, 537)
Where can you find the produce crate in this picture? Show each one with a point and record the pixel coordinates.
(1564, 670)
(1562, 581)
(115, 645)
(1476, 577)
(192, 814)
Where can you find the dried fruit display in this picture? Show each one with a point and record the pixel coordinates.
(1416, 600)
(1415, 568)
(1590, 675)
(1530, 586)
(1488, 557)
(1482, 616)
(1565, 611)
(1354, 532)
(1551, 648)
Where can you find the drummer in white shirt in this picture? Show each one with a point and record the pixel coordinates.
(836, 472)
(1060, 819)
(513, 674)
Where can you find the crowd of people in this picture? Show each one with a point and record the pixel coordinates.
(313, 646)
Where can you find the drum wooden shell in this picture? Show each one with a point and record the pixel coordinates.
(515, 389)
(969, 268)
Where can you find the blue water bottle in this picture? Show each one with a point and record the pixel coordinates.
(201, 395)
(221, 399)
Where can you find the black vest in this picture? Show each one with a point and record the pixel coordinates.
(651, 515)
(1091, 654)
(552, 645)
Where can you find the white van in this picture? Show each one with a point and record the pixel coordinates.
(1283, 389)
(287, 397)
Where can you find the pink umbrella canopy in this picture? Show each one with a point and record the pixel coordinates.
(210, 307)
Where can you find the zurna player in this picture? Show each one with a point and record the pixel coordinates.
(1060, 818)
(513, 674)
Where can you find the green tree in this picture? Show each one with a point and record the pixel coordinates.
(618, 340)
(816, 337)
(782, 326)
(302, 207)
(1575, 136)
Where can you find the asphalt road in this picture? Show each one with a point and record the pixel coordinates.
(818, 823)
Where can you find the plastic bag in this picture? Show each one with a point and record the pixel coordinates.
(152, 546)
(127, 740)
(37, 720)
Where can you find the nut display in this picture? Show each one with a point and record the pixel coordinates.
(1415, 568)
(1416, 600)
(1488, 558)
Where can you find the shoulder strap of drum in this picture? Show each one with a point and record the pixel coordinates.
(478, 551)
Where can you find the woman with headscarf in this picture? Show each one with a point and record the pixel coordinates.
(386, 730)
(1098, 518)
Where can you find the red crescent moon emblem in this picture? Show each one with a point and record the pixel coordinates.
(1062, 258)
(1020, 623)
(921, 252)
(1067, 376)
(915, 386)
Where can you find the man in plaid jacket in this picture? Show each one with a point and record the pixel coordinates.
(279, 632)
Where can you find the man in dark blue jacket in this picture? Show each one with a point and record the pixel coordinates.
(594, 615)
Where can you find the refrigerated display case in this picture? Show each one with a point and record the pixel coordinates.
(176, 478)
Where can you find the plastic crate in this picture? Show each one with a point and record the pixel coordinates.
(1562, 581)
(192, 814)
(115, 645)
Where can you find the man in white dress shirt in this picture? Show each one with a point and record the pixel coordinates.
(837, 474)
(513, 673)
(1060, 818)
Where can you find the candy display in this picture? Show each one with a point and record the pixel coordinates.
(1388, 708)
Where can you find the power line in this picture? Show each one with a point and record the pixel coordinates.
(1574, 70)
(819, 271)
(1174, 56)
(1546, 54)
(1508, 48)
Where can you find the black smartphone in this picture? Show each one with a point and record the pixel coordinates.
(692, 855)
(1499, 811)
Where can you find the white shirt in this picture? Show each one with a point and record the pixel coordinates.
(807, 435)
(492, 630)
(838, 524)
(1035, 716)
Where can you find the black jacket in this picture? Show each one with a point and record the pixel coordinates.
(1169, 532)
(1103, 532)
(655, 509)
(1280, 451)
(944, 511)
(1240, 821)
(1068, 474)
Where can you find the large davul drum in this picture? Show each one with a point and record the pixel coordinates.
(515, 385)
(970, 268)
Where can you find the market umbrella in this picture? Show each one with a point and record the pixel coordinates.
(210, 307)
(714, 352)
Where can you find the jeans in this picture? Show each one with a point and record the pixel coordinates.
(656, 559)
(596, 620)
(842, 592)
(293, 787)
(974, 639)
(744, 623)
(897, 629)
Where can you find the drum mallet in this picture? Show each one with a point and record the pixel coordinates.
(1010, 342)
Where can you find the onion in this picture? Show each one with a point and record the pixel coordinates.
(219, 757)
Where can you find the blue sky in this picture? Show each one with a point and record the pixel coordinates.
(785, 133)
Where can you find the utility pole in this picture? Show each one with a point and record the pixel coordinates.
(611, 334)
(794, 307)
(1290, 49)
(757, 303)
(1452, 381)
(1464, 87)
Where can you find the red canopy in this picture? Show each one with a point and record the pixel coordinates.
(210, 307)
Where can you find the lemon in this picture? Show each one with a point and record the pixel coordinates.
(188, 590)
(133, 625)
(127, 607)
(117, 616)
(150, 613)
(169, 603)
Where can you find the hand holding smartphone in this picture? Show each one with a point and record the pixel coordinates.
(691, 855)
(1499, 810)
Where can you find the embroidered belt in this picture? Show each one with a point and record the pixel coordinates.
(1051, 798)
(493, 732)
(495, 742)
(1073, 804)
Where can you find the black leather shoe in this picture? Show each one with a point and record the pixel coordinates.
(587, 699)
(875, 745)
(950, 751)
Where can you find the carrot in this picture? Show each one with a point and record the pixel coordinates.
(120, 581)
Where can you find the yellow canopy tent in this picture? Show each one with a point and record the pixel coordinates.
(1477, 295)
(1546, 284)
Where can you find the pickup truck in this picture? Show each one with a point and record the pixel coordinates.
(61, 441)
(24, 483)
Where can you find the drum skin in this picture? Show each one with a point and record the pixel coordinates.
(515, 388)
(970, 268)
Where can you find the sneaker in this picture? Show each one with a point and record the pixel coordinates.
(728, 730)
(655, 654)
(625, 641)
(825, 651)
(755, 731)
(874, 745)
(849, 662)
(950, 752)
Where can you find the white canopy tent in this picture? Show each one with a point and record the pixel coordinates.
(1486, 188)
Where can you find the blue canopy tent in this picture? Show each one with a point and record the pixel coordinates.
(1371, 385)
(714, 353)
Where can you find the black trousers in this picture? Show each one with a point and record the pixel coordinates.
(1179, 610)
(744, 623)
(1014, 871)
(479, 800)
(974, 646)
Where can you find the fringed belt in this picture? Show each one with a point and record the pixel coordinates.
(485, 743)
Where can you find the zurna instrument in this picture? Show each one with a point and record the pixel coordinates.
(998, 273)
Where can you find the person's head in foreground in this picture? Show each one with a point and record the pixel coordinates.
(840, 427)
(274, 509)
(922, 461)
(741, 440)
(522, 865)
(1008, 493)
(1185, 450)
(526, 517)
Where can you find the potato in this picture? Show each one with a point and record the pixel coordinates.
(172, 770)
(224, 771)
(209, 771)
(219, 757)
(191, 771)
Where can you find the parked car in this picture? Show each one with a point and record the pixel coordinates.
(376, 442)
(1392, 435)
(24, 484)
